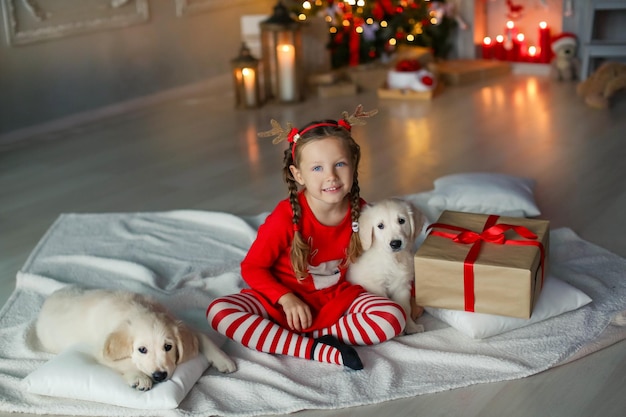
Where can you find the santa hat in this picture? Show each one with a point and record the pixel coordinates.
(563, 39)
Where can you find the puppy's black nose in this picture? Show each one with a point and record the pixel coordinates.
(395, 244)
(159, 376)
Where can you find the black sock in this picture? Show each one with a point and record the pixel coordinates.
(348, 354)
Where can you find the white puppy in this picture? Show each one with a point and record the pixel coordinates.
(388, 230)
(128, 332)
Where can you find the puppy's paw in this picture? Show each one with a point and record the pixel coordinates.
(216, 356)
(139, 381)
(412, 327)
(223, 363)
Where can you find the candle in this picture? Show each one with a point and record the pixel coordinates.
(509, 38)
(545, 54)
(498, 49)
(532, 53)
(519, 47)
(510, 31)
(286, 56)
(487, 48)
(249, 77)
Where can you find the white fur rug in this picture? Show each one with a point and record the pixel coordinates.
(187, 258)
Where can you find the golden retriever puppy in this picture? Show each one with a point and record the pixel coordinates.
(388, 230)
(128, 332)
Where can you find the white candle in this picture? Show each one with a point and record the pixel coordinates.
(286, 56)
(248, 84)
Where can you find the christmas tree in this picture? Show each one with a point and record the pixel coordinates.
(362, 31)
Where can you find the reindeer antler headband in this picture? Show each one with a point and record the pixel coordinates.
(292, 134)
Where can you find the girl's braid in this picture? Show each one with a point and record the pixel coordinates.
(299, 249)
(354, 248)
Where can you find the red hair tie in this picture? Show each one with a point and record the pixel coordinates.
(345, 125)
(293, 135)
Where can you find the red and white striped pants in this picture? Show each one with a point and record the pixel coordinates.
(371, 319)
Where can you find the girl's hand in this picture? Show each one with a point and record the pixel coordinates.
(297, 312)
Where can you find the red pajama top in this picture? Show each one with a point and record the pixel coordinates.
(267, 266)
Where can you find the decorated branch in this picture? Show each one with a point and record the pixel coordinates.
(368, 30)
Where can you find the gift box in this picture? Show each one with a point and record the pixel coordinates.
(482, 263)
(342, 88)
(367, 77)
(467, 71)
(385, 92)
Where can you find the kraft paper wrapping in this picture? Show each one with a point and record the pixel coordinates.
(507, 278)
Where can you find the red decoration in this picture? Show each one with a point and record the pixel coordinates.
(355, 44)
(498, 50)
(427, 80)
(515, 10)
(518, 47)
(408, 65)
(488, 47)
(378, 12)
(385, 5)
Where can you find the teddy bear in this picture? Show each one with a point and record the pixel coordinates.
(564, 66)
(600, 86)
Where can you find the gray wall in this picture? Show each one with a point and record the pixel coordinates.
(55, 78)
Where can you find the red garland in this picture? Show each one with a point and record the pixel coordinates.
(492, 233)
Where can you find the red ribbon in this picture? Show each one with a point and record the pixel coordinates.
(492, 233)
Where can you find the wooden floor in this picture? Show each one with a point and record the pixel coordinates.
(200, 153)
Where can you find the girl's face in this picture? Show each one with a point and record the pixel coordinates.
(325, 170)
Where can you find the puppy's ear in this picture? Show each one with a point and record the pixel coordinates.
(118, 345)
(366, 229)
(186, 343)
(416, 219)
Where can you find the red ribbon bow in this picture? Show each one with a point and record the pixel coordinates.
(345, 125)
(293, 135)
(492, 233)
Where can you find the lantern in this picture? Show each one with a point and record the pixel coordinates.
(246, 77)
(281, 44)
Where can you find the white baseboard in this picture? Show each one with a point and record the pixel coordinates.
(216, 84)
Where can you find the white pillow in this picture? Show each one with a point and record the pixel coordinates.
(556, 297)
(485, 193)
(75, 374)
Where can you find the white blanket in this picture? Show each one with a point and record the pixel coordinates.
(187, 258)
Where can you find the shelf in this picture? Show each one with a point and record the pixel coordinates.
(590, 48)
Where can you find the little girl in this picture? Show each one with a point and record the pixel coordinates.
(299, 302)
